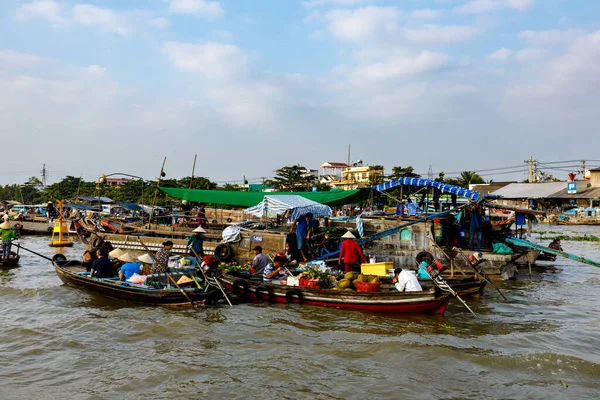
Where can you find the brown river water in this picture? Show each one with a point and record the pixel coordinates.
(57, 342)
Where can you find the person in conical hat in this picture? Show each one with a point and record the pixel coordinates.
(350, 252)
(7, 234)
(196, 242)
(116, 253)
(147, 262)
(129, 268)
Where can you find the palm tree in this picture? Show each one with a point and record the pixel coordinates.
(469, 178)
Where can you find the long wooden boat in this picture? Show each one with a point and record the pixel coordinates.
(156, 291)
(11, 261)
(384, 302)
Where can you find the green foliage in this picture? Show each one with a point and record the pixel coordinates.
(398, 172)
(294, 178)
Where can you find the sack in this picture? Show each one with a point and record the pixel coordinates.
(292, 281)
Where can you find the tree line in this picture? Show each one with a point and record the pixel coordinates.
(288, 178)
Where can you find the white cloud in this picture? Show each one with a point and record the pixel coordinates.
(342, 3)
(550, 37)
(426, 13)
(208, 9)
(440, 34)
(484, 6)
(96, 71)
(49, 10)
(121, 23)
(362, 23)
(399, 66)
(213, 60)
(14, 59)
(103, 18)
(530, 55)
(502, 54)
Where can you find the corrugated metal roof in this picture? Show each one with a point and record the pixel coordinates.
(584, 191)
(530, 190)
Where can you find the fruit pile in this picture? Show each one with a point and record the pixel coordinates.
(351, 282)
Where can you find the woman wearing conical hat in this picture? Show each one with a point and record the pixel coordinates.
(350, 252)
(7, 234)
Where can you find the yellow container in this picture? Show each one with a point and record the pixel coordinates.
(379, 269)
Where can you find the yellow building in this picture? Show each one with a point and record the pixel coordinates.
(358, 176)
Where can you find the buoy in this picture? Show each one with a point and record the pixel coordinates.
(60, 228)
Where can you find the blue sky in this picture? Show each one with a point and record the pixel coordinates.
(114, 86)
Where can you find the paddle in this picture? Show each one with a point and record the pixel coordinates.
(206, 278)
(443, 285)
(169, 276)
(31, 251)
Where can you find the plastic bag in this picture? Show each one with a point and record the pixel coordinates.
(136, 278)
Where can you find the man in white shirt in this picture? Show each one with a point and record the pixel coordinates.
(405, 281)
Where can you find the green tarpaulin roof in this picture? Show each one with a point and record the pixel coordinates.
(248, 199)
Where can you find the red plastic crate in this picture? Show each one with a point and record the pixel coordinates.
(367, 287)
(308, 283)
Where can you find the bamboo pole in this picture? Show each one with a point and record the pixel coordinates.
(156, 192)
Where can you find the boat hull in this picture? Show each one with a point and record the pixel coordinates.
(69, 273)
(381, 302)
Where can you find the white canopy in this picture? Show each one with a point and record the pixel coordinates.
(279, 204)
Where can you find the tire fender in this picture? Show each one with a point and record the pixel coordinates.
(213, 297)
(289, 296)
(424, 256)
(260, 290)
(240, 287)
(223, 252)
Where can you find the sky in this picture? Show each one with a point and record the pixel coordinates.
(115, 86)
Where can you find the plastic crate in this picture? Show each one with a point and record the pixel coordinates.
(308, 283)
(379, 269)
(367, 287)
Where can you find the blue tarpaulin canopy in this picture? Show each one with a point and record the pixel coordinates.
(91, 199)
(420, 182)
(279, 204)
(130, 206)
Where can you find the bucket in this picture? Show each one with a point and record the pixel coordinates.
(460, 235)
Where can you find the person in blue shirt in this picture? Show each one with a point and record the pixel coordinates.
(129, 268)
(303, 227)
(475, 228)
(274, 272)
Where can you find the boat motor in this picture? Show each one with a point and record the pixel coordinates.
(475, 259)
(436, 268)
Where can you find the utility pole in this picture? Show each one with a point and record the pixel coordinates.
(44, 174)
(583, 168)
(530, 164)
(535, 177)
(430, 172)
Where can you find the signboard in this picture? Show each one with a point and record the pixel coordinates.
(571, 187)
(256, 238)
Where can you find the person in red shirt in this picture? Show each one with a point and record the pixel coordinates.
(350, 252)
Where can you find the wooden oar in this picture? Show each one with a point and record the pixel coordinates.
(169, 276)
(206, 278)
(31, 251)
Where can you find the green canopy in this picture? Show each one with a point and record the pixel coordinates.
(248, 199)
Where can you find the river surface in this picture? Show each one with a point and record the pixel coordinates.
(57, 342)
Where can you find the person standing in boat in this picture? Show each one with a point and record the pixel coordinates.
(196, 242)
(406, 281)
(7, 234)
(350, 252)
(475, 227)
(161, 262)
(201, 216)
(303, 227)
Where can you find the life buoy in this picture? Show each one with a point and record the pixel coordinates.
(240, 287)
(424, 256)
(259, 291)
(213, 297)
(289, 296)
(223, 252)
(95, 242)
(229, 220)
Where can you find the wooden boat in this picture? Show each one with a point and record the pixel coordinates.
(12, 261)
(156, 291)
(384, 302)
